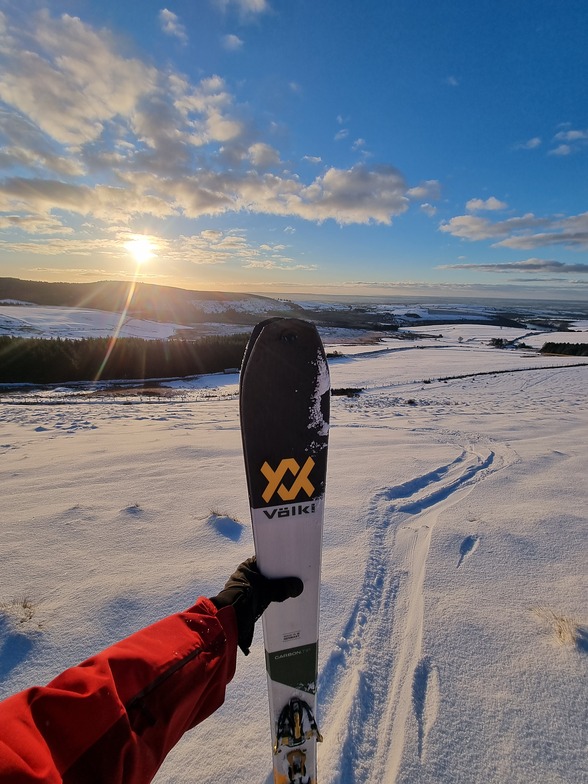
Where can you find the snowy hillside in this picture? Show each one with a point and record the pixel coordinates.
(57, 322)
(454, 633)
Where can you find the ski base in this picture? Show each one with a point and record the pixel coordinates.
(285, 395)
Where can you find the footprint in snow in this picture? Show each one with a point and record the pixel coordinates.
(467, 547)
(226, 526)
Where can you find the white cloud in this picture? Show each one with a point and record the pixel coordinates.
(232, 242)
(342, 134)
(24, 145)
(28, 196)
(472, 227)
(569, 141)
(66, 81)
(430, 189)
(270, 264)
(263, 156)
(312, 159)
(209, 95)
(245, 7)
(530, 144)
(232, 43)
(415, 289)
(221, 128)
(490, 204)
(561, 149)
(72, 83)
(109, 138)
(171, 25)
(221, 247)
(566, 141)
(211, 235)
(357, 195)
(527, 266)
(571, 231)
(38, 196)
(571, 136)
(60, 246)
(34, 224)
(522, 233)
(213, 247)
(196, 115)
(429, 209)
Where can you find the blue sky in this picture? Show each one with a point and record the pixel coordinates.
(390, 146)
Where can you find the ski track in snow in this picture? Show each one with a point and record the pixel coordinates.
(378, 690)
(425, 700)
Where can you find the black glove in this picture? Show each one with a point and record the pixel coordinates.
(250, 593)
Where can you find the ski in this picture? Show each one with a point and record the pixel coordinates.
(284, 408)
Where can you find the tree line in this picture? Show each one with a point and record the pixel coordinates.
(569, 349)
(61, 360)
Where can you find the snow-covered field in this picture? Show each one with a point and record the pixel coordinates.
(454, 629)
(59, 322)
(52, 322)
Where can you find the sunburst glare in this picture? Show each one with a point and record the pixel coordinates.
(141, 249)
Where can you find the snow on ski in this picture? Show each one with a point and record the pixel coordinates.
(284, 405)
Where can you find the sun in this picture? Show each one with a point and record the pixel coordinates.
(141, 249)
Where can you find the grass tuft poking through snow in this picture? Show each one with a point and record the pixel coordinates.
(565, 630)
(18, 611)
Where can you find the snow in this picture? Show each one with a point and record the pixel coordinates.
(78, 323)
(317, 306)
(472, 333)
(254, 305)
(454, 634)
(52, 322)
(578, 336)
(316, 418)
(407, 313)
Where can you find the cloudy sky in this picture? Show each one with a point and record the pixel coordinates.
(389, 146)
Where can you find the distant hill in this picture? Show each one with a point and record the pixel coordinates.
(190, 308)
(150, 301)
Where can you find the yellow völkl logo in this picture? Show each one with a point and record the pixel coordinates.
(275, 484)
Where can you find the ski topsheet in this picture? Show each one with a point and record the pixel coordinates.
(284, 422)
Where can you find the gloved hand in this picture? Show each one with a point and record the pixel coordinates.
(249, 592)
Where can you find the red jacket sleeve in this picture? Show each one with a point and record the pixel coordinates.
(114, 717)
